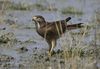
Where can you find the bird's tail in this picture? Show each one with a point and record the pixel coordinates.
(67, 19)
(74, 26)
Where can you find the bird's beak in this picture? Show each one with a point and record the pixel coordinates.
(34, 18)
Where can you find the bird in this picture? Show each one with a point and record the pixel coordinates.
(52, 31)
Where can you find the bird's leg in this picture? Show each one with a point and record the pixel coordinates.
(52, 45)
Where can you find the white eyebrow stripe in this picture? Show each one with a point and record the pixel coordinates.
(34, 17)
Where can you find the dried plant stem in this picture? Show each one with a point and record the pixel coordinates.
(3, 7)
(85, 30)
(96, 50)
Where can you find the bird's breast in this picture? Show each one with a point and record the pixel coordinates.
(38, 25)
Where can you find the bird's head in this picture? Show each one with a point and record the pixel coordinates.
(38, 18)
(39, 21)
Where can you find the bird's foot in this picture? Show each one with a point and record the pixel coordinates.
(51, 53)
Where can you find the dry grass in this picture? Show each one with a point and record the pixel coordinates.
(71, 10)
(73, 56)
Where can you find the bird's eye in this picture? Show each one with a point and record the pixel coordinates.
(38, 18)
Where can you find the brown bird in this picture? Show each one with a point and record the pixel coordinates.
(51, 31)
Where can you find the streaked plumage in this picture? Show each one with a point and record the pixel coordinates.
(51, 31)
